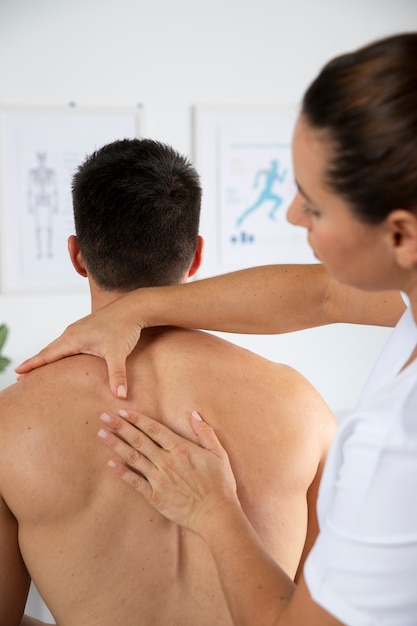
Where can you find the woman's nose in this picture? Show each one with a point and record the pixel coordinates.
(295, 212)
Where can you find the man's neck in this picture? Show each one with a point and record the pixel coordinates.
(100, 297)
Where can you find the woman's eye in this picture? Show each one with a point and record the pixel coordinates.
(310, 211)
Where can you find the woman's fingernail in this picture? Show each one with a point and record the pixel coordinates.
(102, 434)
(121, 391)
(197, 416)
(105, 418)
(123, 413)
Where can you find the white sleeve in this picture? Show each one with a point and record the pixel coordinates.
(405, 298)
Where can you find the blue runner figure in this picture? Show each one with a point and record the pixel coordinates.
(272, 175)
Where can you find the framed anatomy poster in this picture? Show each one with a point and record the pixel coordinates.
(40, 149)
(244, 158)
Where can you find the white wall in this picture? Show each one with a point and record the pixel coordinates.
(169, 55)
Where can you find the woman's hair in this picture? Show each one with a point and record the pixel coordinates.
(366, 104)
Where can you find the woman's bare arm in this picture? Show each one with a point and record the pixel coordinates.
(261, 300)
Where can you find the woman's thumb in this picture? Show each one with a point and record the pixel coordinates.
(117, 377)
(205, 433)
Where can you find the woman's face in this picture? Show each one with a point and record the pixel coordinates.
(354, 252)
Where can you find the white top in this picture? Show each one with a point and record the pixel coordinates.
(363, 567)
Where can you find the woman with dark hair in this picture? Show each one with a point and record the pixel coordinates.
(355, 163)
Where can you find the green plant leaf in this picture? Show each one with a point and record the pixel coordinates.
(3, 334)
(4, 362)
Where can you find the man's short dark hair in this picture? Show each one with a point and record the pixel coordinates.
(136, 209)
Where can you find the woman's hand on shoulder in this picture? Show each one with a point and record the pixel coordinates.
(111, 333)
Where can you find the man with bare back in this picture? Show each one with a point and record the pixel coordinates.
(97, 552)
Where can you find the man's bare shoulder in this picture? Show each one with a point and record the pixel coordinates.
(79, 367)
(280, 392)
(205, 345)
(50, 388)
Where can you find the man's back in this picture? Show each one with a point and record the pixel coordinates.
(97, 552)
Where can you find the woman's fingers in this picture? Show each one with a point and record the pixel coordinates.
(144, 425)
(64, 346)
(178, 477)
(96, 334)
(132, 478)
(133, 453)
(206, 435)
(135, 449)
(53, 352)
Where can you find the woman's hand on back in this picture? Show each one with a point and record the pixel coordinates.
(186, 482)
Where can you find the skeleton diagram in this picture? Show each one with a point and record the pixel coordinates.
(43, 204)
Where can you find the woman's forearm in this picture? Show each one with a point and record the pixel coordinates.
(257, 590)
(265, 300)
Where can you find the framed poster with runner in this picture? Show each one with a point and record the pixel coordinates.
(243, 155)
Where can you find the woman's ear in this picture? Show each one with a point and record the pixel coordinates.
(403, 237)
(198, 257)
(75, 256)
